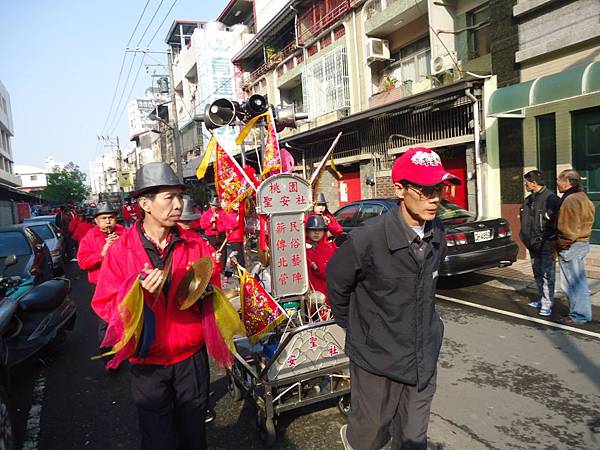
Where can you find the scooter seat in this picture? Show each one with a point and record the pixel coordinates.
(46, 296)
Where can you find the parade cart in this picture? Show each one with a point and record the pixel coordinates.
(300, 360)
(309, 366)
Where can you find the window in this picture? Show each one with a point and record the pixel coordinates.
(412, 62)
(326, 84)
(13, 243)
(478, 22)
(33, 177)
(345, 216)
(368, 211)
(43, 231)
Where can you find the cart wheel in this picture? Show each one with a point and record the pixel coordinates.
(344, 404)
(234, 390)
(268, 433)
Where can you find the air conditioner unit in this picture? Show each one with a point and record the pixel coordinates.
(443, 63)
(377, 50)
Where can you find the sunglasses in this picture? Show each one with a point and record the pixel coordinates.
(427, 192)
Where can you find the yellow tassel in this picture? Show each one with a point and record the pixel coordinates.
(210, 148)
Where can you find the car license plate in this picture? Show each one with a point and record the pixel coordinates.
(483, 235)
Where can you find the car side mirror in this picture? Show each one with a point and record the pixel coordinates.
(10, 260)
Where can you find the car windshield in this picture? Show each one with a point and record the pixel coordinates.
(43, 231)
(13, 243)
(449, 210)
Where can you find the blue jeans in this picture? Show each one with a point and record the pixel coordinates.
(574, 281)
(543, 264)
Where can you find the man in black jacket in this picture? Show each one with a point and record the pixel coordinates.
(538, 234)
(381, 286)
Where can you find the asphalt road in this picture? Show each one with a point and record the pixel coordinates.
(502, 382)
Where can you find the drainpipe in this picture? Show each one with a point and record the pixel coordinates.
(357, 60)
(477, 151)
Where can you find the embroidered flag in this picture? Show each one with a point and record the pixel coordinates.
(272, 155)
(231, 181)
(260, 312)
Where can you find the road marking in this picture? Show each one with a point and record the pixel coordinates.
(520, 316)
(32, 433)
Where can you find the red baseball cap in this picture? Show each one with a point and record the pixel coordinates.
(422, 166)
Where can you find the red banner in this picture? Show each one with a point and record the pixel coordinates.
(260, 312)
(272, 155)
(231, 184)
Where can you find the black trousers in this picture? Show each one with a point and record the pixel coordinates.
(383, 408)
(171, 402)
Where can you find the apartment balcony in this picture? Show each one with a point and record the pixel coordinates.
(319, 17)
(403, 90)
(386, 16)
(9, 178)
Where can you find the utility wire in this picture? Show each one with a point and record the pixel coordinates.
(114, 96)
(150, 23)
(161, 24)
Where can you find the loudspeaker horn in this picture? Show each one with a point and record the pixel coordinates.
(286, 117)
(219, 113)
(255, 105)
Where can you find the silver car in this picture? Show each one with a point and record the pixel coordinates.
(54, 241)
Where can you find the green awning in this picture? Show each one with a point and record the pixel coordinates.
(512, 100)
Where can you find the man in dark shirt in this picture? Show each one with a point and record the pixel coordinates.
(381, 286)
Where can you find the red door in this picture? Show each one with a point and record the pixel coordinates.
(349, 188)
(457, 166)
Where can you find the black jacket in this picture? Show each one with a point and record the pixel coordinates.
(385, 298)
(538, 218)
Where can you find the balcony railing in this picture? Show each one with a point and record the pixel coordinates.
(312, 26)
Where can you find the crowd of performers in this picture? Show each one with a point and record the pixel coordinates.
(162, 234)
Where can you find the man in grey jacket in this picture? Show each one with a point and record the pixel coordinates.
(381, 286)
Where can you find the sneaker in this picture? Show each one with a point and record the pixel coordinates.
(345, 442)
(535, 304)
(545, 312)
(211, 415)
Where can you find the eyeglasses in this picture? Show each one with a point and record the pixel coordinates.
(427, 192)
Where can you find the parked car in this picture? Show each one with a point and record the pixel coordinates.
(47, 218)
(473, 243)
(33, 255)
(55, 242)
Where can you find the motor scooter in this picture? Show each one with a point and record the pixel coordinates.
(33, 316)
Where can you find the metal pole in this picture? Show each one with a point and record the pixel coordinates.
(175, 125)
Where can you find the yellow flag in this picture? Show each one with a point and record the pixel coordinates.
(242, 136)
(333, 168)
(227, 319)
(201, 170)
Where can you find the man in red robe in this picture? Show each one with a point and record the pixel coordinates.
(95, 244)
(170, 382)
(211, 222)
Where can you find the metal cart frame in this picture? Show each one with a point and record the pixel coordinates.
(279, 387)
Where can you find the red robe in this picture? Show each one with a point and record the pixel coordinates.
(233, 222)
(334, 226)
(206, 224)
(320, 254)
(89, 254)
(81, 230)
(179, 334)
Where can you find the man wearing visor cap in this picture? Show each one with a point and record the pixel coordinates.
(381, 285)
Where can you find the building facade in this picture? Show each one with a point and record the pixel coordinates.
(103, 174)
(388, 74)
(548, 116)
(33, 179)
(7, 175)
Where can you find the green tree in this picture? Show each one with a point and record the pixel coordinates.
(66, 185)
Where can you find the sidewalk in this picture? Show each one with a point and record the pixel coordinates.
(519, 277)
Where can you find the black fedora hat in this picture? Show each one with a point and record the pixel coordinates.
(321, 199)
(155, 175)
(316, 222)
(187, 212)
(214, 201)
(105, 208)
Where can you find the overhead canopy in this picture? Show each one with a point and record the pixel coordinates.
(510, 102)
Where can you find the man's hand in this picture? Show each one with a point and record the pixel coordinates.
(152, 280)
(314, 266)
(112, 237)
(216, 256)
(326, 219)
